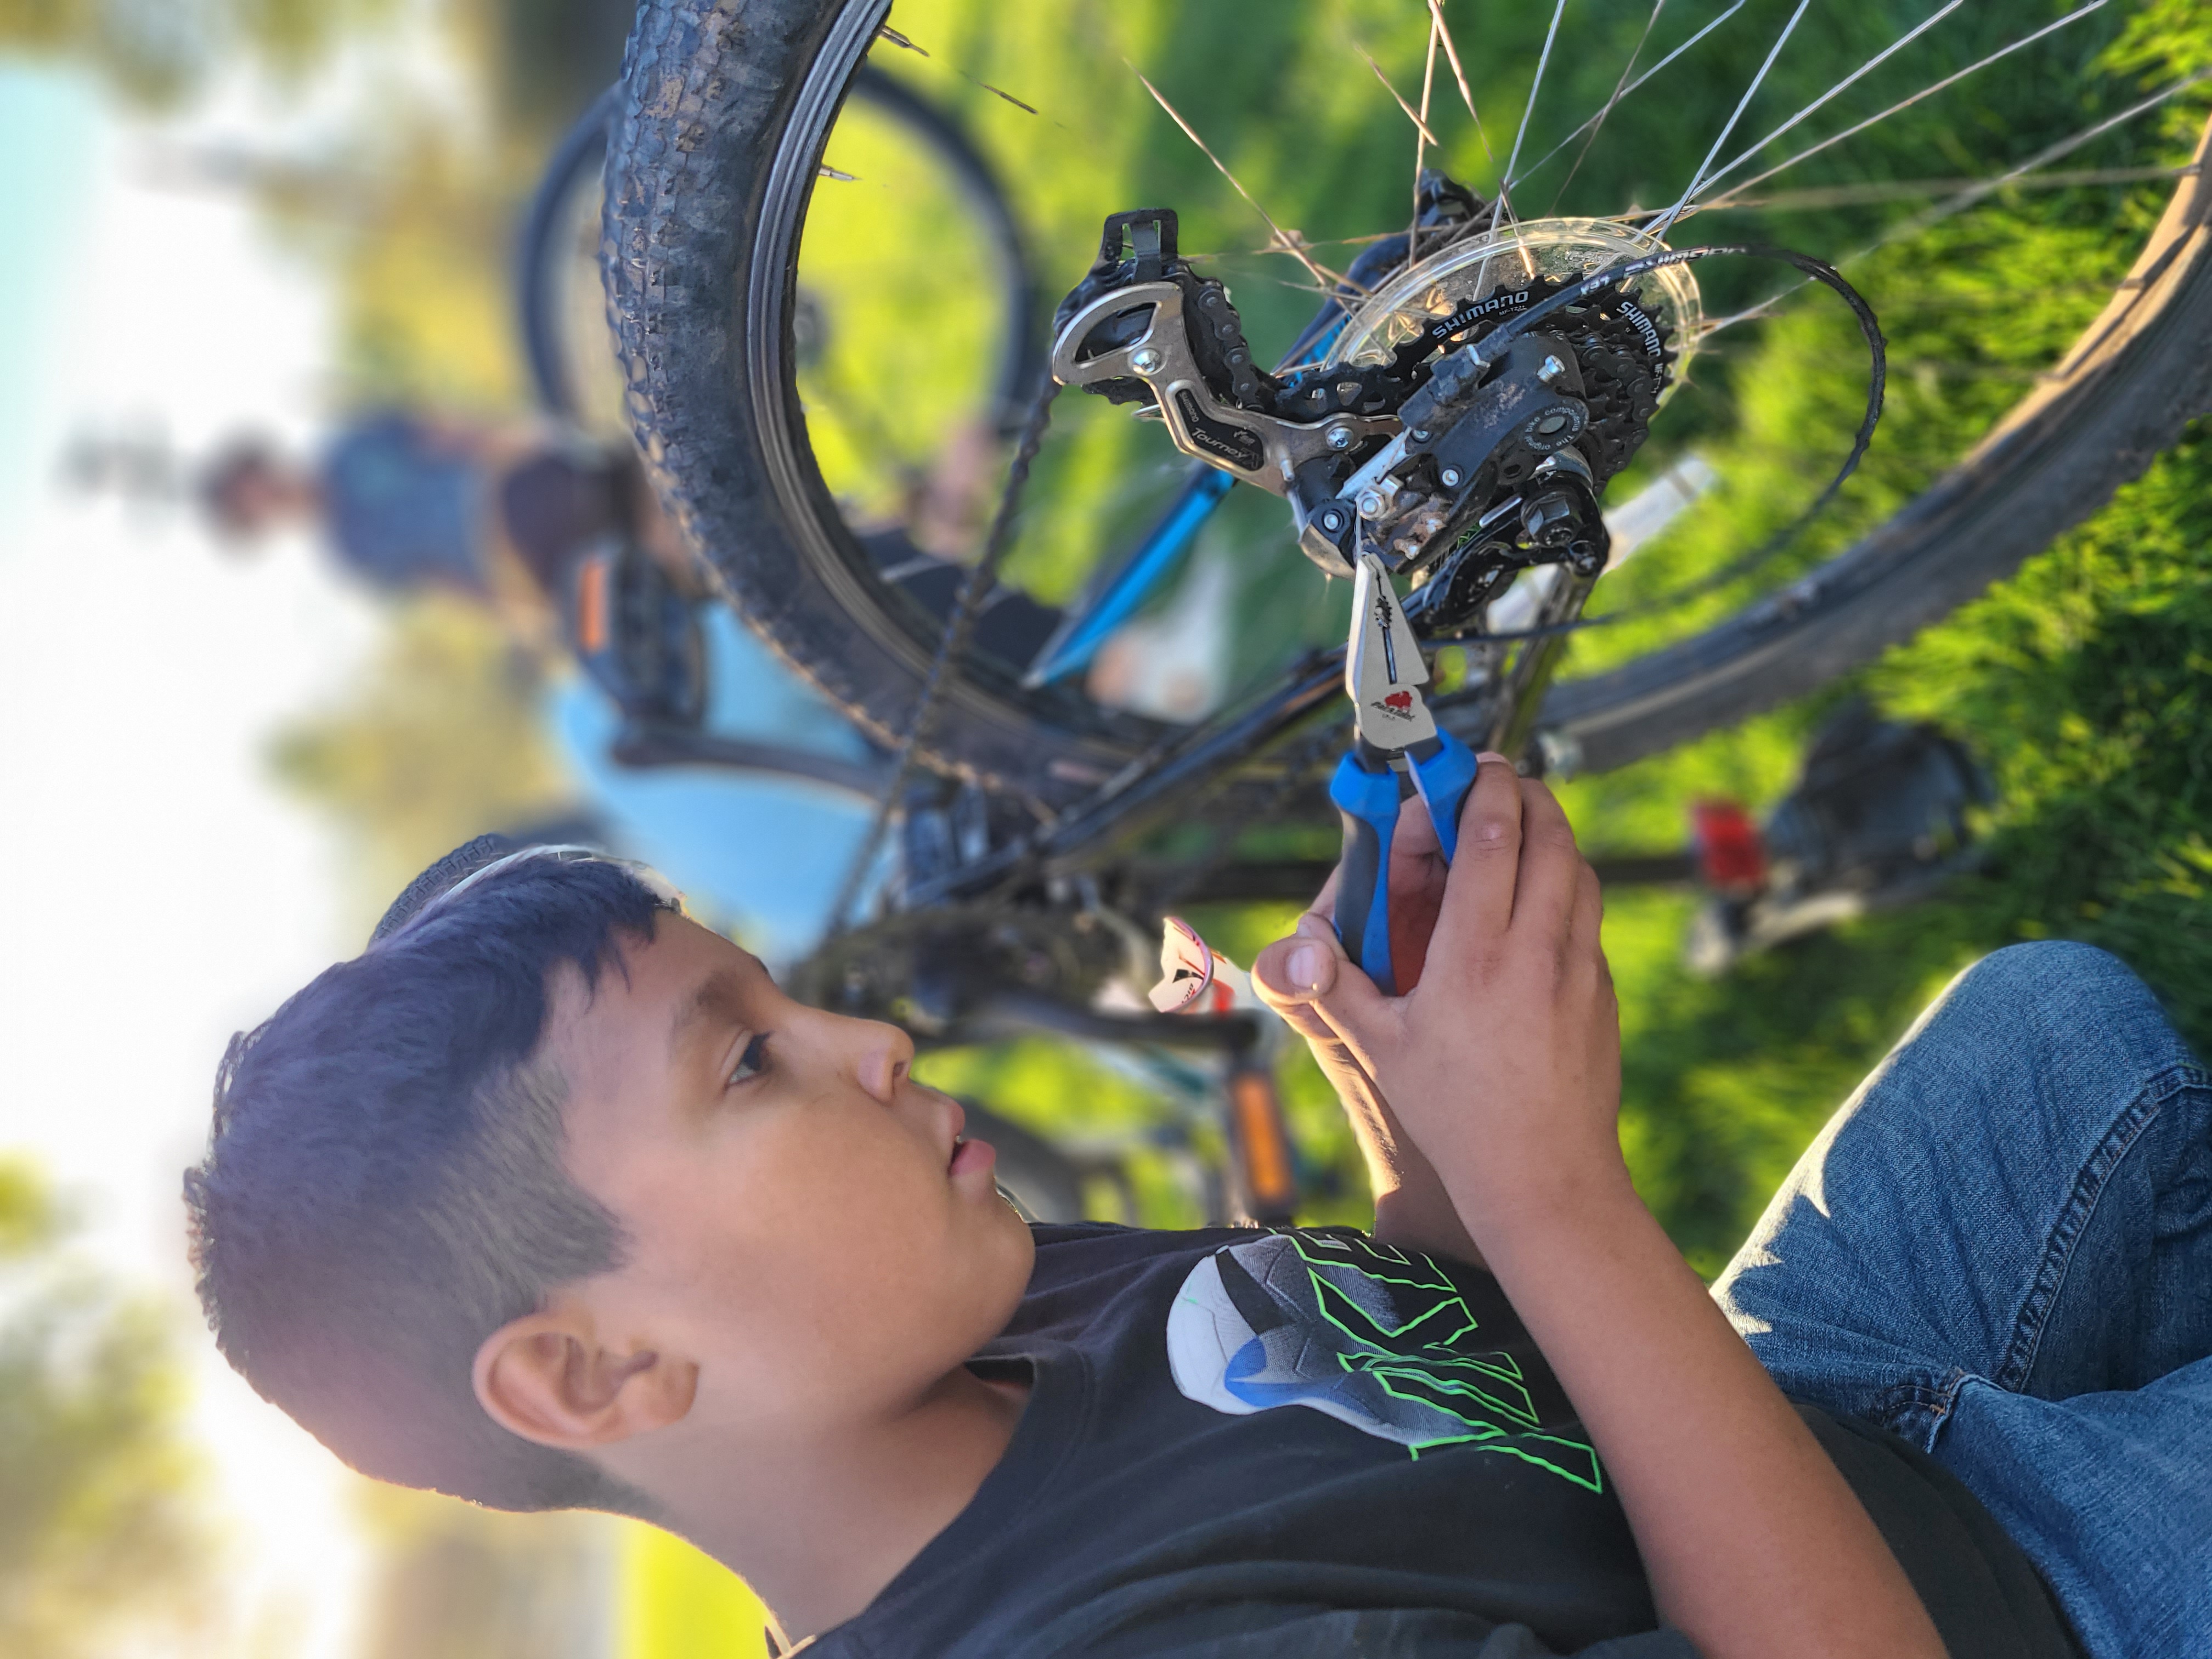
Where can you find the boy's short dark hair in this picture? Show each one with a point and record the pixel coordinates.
(384, 1188)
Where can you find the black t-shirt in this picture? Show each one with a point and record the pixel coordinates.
(1306, 1443)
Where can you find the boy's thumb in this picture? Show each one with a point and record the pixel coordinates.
(1311, 967)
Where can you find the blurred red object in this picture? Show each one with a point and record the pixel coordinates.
(1731, 853)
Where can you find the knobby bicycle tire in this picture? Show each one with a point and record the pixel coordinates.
(702, 228)
(725, 107)
(582, 151)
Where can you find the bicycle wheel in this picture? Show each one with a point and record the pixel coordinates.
(567, 341)
(738, 183)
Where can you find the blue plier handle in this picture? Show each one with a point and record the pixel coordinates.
(1366, 791)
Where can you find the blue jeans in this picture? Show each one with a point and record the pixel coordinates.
(2001, 1249)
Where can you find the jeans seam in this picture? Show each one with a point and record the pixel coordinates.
(1914, 1410)
(2090, 1186)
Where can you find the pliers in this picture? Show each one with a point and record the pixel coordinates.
(1396, 734)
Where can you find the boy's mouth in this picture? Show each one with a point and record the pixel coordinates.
(970, 1155)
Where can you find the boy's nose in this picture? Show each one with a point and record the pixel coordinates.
(886, 1054)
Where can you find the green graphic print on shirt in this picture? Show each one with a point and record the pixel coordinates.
(1372, 1336)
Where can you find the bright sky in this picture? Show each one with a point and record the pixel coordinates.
(162, 894)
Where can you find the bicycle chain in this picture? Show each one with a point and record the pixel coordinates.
(952, 646)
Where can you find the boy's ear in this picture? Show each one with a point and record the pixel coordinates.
(547, 1377)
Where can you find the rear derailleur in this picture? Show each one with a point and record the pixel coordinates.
(1459, 469)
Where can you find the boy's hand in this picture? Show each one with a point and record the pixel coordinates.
(1411, 1208)
(1501, 1063)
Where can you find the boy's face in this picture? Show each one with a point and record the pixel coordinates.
(802, 1227)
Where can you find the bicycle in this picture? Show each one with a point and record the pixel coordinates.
(1038, 828)
(640, 641)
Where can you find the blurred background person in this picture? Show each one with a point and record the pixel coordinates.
(408, 502)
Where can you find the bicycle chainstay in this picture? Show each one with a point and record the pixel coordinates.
(1459, 471)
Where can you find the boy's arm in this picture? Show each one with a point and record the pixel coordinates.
(1504, 1065)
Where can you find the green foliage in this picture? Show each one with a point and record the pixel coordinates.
(426, 298)
(442, 740)
(101, 1536)
(158, 53)
(2164, 40)
(673, 1602)
(1724, 1081)
(2082, 680)
(456, 1581)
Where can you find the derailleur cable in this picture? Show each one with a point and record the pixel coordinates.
(952, 647)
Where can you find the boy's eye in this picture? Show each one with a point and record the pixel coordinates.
(752, 1062)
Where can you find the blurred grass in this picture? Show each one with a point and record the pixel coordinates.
(673, 1603)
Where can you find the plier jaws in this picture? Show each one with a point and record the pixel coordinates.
(1397, 737)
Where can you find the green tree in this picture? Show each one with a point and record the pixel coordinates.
(101, 1533)
(456, 1581)
(157, 54)
(441, 739)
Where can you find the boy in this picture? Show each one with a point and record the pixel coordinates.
(551, 1198)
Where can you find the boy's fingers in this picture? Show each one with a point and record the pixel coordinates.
(1275, 981)
(1415, 836)
(1309, 980)
(1589, 907)
(1544, 889)
(1479, 893)
(1356, 1013)
(1292, 972)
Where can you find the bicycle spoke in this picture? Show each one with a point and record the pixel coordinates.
(1459, 74)
(1856, 74)
(1420, 119)
(1833, 196)
(1981, 190)
(1661, 229)
(1504, 208)
(1515, 179)
(1279, 239)
(1929, 91)
(1422, 135)
(1913, 225)
(1598, 125)
(1543, 62)
(907, 43)
(1420, 145)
